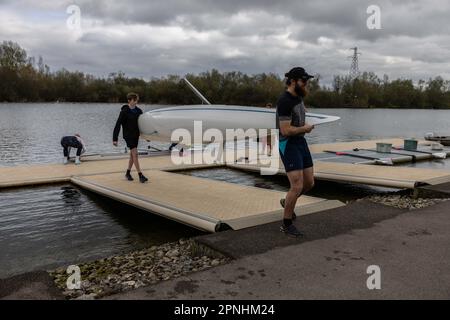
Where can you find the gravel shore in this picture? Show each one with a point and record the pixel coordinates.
(405, 201)
(139, 268)
(159, 263)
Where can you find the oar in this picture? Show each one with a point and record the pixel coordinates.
(437, 155)
(385, 161)
(413, 157)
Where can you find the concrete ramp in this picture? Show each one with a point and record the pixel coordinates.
(201, 203)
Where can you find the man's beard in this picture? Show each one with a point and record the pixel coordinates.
(301, 91)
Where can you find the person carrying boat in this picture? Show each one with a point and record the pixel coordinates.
(128, 120)
(294, 151)
(75, 141)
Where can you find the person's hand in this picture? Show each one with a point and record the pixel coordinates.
(308, 128)
(115, 143)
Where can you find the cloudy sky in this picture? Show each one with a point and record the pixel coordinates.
(148, 38)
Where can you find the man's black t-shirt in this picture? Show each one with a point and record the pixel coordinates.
(128, 119)
(291, 108)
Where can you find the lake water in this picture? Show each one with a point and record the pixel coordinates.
(47, 226)
(30, 133)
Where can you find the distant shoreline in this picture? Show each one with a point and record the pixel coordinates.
(25, 80)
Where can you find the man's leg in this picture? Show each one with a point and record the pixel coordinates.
(134, 154)
(130, 162)
(308, 179)
(130, 165)
(66, 153)
(308, 184)
(134, 159)
(296, 181)
(78, 154)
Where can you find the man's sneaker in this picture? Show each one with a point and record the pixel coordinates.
(128, 176)
(77, 160)
(291, 231)
(282, 202)
(142, 178)
(65, 161)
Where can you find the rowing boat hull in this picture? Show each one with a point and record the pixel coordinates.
(160, 123)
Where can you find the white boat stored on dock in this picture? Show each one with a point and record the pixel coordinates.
(160, 123)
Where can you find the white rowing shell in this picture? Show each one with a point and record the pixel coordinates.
(159, 124)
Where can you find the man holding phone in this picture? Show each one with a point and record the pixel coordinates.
(294, 151)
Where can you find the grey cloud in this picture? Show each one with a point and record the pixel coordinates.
(249, 36)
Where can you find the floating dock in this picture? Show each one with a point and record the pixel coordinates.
(383, 176)
(213, 205)
(202, 203)
(350, 169)
(353, 152)
(21, 176)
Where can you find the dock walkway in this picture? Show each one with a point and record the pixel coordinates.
(202, 203)
(212, 205)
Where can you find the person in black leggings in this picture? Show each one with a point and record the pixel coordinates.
(128, 120)
(69, 142)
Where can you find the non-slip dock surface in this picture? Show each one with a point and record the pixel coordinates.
(53, 173)
(206, 204)
(199, 202)
(396, 177)
(342, 146)
(330, 167)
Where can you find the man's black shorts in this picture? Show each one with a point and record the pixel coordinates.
(295, 154)
(132, 142)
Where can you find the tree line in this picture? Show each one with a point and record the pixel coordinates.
(27, 79)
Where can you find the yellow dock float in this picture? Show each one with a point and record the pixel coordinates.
(207, 204)
(395, 177)
(202, 203)
(385, 176)
(19, 176)
(342, 146)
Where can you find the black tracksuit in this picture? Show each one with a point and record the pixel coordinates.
(68, 142)
(128, 119)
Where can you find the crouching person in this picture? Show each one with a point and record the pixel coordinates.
(69, 142)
